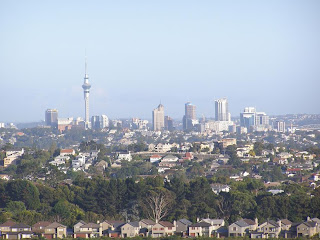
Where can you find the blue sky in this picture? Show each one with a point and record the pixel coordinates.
(264, 54)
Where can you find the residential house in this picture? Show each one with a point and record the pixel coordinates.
(19, 231)
(163, 228)
(55, 230)
(268, 229)
(200, 229)
(124, 156)
(89, 230)
(111, 228)
(217, 188)
(287, 229)
(182, 226)
(130, 229)
(155, 158)
(78, 162)
(59, 160)
(40, 226)
(308, 228)
(76, 227)
(242, 227)
(6, 226)
(146, 226)
(169, 161)
(65, 152)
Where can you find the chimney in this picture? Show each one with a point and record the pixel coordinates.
(308, 219)
(198, 219)
(175, 223)
(256, 221)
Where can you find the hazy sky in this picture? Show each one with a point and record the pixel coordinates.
(264, 54)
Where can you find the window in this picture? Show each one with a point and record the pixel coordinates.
(169, 228)
(234, 228)
(161, 228)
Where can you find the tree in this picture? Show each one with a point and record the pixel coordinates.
(258, 147)
(158, 205)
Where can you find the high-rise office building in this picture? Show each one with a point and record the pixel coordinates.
(280, 126)
(51, 117)
(158, 118)
(248, 117)
(86, 91)
(221, 110)
(95, 122)
(190, 110)
(254, 121)
(262, 119)
(104, 121)
(168, 123)
(189, 116)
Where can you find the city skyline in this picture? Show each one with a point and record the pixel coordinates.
(262, 54)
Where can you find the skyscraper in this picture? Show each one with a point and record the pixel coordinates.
(280, 126)
(51, 117)
(221, 110)
(158, 118)
(190, 110)
(248, 117)
(86, 91)
(168, 123)
(104, 122)
(189, 116)
(95, 122)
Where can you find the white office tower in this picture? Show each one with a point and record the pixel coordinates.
(248, 118)
(86, 91)
(158, 118)
(221, 110)
(280, 126)
(104, 121)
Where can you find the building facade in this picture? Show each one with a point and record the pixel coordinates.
(51, 117)
(158, 118)
(221, 110)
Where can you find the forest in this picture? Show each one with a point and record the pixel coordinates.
(97, 199)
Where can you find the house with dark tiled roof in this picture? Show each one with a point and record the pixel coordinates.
(146, 226)
(242, 227)
(19, 231)
(268, 229)
(111, 228)
(130, 229)
(163, 228)
(6, 226)
(55, 230)
(308, 228)
(88, 230)
(200, 229)
(182, 226)
(40, 226)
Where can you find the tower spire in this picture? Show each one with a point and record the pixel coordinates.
(86, 91)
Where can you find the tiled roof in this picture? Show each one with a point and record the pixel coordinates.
(8, 224)
(200, 224)
(286, 222)
(20, 225)
(90, 225)
(148, 221)
(41, 224)
(166, 224)
(54, 225)
(185, 221)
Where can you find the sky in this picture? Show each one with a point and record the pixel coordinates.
(264, 54)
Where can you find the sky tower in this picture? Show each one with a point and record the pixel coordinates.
(86, 91)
